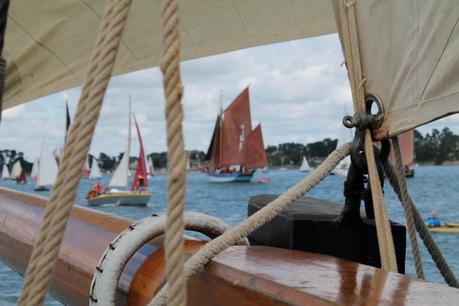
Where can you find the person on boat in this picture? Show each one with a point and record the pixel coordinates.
(433, 221)
(97, 188)
(141, 181)
(21, 178)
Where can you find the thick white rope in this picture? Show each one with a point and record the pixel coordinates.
(125, 245)
(352, 55)
(255, 221)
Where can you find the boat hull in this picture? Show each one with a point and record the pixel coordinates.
(229, 177)
(445, 229)
(128, 199)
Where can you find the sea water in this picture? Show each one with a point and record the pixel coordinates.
(432, 188)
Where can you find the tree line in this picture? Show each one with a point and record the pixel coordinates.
(434, 147)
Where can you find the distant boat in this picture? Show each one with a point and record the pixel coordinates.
(34, 173)
(406, 141)
(236, 150)
(343, 166)
(95, 170)
(47, 169)
(304, 165)
(5, 172)
(86, 169)
(151, 168)
(139, 194)
(188, 164)
(16, 171)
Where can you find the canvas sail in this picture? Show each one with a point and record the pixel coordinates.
(254, 150)
(304, 165)
(47, 170)
(42, 29)
(141, 170)
(5, 172)
(343, 166)
(408, 51)
(95, 171)
(17, 169)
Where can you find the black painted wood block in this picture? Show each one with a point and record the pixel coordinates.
(310, 225)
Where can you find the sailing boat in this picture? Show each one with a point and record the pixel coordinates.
(304, 165)
(5, 172)
(139, 194)
(343, 166)
(16, 171)
(95, 170)
(406, 141)
(151, 167)
(47, 169)
(86, 169)
(34, 172)
(235, 151)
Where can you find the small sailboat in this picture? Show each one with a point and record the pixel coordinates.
(151, 167)
(16, 171)
(188, 164)
(95, 170)
(343, 166)
(236, 150)
(47, 169)
(86, 169)
(139, 195)
(5, 172)
(406, 141)
(34, 172)
(304, 165)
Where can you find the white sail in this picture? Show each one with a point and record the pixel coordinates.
(95, 171)
(304, 165)
(34, 173)
(344, 164)
(120, 177)
(47, 167)
(188, 164)
(5, 172)
(17, 169)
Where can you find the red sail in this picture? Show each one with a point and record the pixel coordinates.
(406, 141)
(140, 179)
(213, 153)
(254, 150)
(236, 121)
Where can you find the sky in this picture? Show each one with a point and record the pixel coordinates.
(299, 92)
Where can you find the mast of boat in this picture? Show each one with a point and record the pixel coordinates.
(220, 130)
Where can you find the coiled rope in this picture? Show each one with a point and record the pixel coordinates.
(46, 250)
(176, 156)
(255, 221)
(352, 55)
(422, 229)
(404, 198)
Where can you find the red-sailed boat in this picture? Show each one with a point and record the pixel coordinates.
(236, 150)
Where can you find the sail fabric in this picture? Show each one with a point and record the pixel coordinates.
(34, 172)
(408, 52)
(254, 150)
(213, 152)
(48, 43)
(5, 172)
(236, 126)
(151, 167)
(17, 169)
(141, 170)
(406, 141)
(304, 164)
(120, 177)
(47, 170)
(95, 171)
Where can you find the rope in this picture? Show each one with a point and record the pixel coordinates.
(45, 253)
(176, 181)
(352, 55)
(255, 221)
(125, 245)
(422, 229)
(404, 195)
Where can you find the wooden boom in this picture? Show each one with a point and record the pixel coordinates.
(239, 276)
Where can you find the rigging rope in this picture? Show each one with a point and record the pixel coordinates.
(46, 250)
(258, 219)
(422, 229)
(404, 195)
(352, 55)
(176, 156)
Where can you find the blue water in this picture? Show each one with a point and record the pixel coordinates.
(433, 188)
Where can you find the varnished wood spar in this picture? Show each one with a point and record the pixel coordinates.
(238, 276)
(88, 234)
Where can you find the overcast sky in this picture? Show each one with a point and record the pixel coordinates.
(299, 92)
